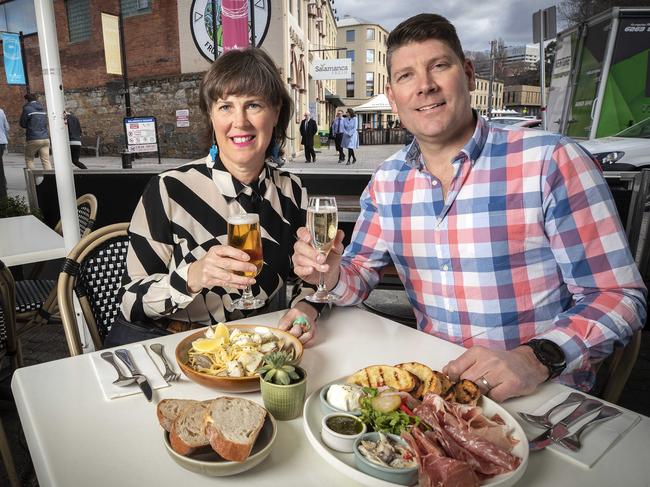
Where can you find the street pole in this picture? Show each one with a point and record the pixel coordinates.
(493, 45)
(251, 4)
(215, 40)
(127, 158)
(22, 53)
(542, 71)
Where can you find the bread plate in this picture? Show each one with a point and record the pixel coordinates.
(208, 462)
(345, 462)
(230, 384)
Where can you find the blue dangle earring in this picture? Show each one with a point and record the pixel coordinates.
(214, 150)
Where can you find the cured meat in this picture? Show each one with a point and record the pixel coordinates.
(437, 470)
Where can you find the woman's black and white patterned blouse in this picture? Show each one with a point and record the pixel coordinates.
(182, 213)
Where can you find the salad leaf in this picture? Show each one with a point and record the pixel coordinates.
(394, 422)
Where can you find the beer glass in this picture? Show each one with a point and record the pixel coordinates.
(244, 234)
(322, 223)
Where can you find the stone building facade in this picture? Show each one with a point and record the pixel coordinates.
(167, 54)
(480, 96)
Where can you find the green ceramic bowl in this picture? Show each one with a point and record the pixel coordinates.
(401, 476)
(284, 402)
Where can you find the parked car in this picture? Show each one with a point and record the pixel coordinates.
(628, 150)
(518, 121)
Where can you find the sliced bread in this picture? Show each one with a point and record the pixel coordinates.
(169, 409)
(385, 375)
(233, 424)
(422, 372)
(188, 431)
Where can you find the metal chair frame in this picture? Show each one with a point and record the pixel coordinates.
(67, 285)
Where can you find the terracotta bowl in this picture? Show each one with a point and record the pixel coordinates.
(230, 384)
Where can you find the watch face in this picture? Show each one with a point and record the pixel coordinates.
(552, 352)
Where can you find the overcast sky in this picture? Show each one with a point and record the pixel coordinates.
(477, 21)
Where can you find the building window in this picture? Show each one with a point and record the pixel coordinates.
(78, 12)
(349, 36)
(370, 84)
(370, 55)
(299, 12)
(349, 87)
(370, 34)
(350, 54)
(135, 7)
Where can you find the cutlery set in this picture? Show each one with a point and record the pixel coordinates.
(558, 433)
(136, 376)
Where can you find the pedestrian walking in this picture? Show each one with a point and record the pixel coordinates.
(37, 138)
(350, 136)
(74, 134)
(337, 133)
(308, 129)
(4, 140)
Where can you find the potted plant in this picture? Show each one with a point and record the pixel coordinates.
(283, 384)
(16, 206)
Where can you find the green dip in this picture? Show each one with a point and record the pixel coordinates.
(344, 425)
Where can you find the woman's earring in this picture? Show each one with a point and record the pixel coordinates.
(214, 150)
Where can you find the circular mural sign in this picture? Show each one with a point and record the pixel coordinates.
(201, 25)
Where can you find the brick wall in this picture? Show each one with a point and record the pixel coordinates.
(156, 85)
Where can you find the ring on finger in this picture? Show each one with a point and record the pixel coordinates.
(303, 323)
(482, 381)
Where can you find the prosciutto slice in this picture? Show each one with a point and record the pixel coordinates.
(436, 469)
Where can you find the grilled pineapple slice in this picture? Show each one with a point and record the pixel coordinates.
(385, 375)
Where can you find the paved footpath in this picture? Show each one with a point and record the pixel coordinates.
(368, 158)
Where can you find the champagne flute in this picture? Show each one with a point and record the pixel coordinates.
(244, 234)
(322, 223)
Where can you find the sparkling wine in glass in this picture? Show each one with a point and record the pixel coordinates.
(244, 234)
(322, 222)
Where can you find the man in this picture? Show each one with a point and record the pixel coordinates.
(337, 132)
(74, 135)
(34, 120)
(308, 129)
(4, 140)
(507, 241)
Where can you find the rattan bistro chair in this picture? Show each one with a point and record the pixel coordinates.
(9, 347)
(93, 271)
(36, 298)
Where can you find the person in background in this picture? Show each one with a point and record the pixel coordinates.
(34, 120)
(180, 270)
(337, 133)
(308, 129)
(4, 140)
(350, 139)
(74, 134)
(507, 241)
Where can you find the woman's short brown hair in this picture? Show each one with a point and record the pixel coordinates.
(247, 72)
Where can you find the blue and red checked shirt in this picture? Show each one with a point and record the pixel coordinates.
(526, 244)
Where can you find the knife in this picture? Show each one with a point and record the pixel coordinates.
(124, 355)
(561, 429)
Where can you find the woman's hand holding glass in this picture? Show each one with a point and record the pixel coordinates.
(220, 267)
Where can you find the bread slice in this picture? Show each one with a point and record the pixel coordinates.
(423, 373)
(232, 427)
(188, 431)
(440, 384)
(169, 409)
(385, 375)
(463, 392)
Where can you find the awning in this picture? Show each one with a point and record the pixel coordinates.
(377, 104)
(333, 98)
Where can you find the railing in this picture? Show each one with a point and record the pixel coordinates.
(382, 136)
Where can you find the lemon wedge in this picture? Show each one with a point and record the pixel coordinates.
(222, 331)
(207, 345)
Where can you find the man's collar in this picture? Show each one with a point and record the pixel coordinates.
(472, 149)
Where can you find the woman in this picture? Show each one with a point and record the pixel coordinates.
(350, 136)
(179, 266)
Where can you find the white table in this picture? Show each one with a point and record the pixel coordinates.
(76, 437)
(26, 239)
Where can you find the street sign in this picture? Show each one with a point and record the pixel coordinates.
(183, 118)
(550, 24)
(141, 134)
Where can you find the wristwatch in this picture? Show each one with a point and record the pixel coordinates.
(550, 355)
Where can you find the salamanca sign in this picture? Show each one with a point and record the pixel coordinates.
(331, 69)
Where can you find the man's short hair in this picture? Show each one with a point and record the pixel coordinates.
(30, 97)
(420, 28)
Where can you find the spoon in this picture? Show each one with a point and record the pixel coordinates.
(121, 380)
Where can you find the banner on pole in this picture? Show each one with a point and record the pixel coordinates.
(234, 24)
(112, 52)
(13, 59)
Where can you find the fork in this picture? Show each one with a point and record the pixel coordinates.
(573, 442)
(543, 420)
(170, 375)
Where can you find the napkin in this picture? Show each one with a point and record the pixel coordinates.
(106, 373)
(596, 440)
